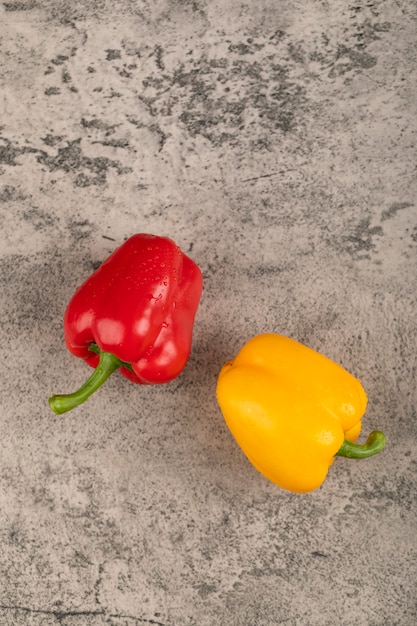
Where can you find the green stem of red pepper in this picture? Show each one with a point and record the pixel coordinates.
(108, 363)
(374, 444)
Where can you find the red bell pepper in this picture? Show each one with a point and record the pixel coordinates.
(135, 313)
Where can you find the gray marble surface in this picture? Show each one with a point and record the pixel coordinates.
(275, 142)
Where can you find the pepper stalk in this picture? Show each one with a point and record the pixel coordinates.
(375, 443)
(108, 363)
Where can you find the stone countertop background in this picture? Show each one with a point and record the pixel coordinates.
(275, 141)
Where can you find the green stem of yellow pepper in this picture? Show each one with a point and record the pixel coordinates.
(374, 444)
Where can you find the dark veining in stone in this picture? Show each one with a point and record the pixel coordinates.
(52, 140)
(66, 77)
(61, 614)
(60, 59)
(360, 242)
(52, 91)
(111, 55)
(80, 229)
(352, 59)
(256, 81)
(393, 210)
(154, 128)
(38, 218)
(19, 6)
(9, 193)
(114, 143)
(88, 170)
(98, 124)
(9, 152)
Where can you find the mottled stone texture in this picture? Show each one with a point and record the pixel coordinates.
(275, 141)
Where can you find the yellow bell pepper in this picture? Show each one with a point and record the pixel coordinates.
(292, 410)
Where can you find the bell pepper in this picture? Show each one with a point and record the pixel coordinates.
(292, 410)
(134, 314)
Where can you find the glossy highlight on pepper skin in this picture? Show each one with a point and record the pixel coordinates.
(291, 410)
(139, 308)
